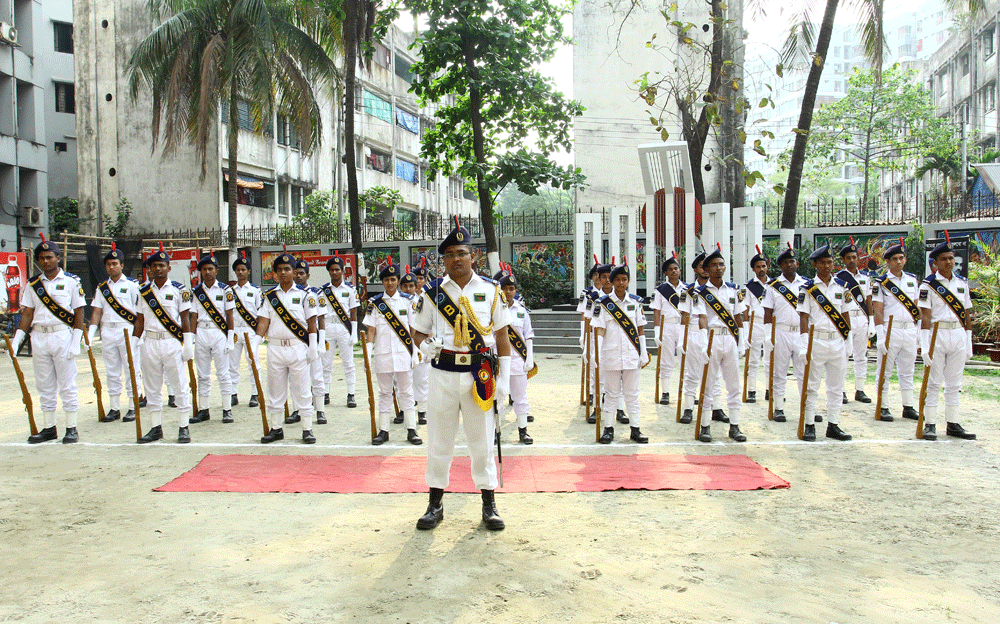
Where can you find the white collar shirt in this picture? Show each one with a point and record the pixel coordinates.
(388, 352)
(891, 307)
(219, 295)
(64, 289)
(617, 350)
(729, 296)
(941, 311)
(173, 297)
(299, 303)
(661, 303)
(484, 299)
(250, 296)
(836, 294)
(125, 291)
(784, 313)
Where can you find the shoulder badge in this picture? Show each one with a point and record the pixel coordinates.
(229, 295)
(802, 296)
(923, 294)
(185, 295)
(312, 302)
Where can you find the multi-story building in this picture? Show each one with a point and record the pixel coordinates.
(54, 63)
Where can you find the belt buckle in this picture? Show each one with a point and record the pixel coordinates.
(463, 358)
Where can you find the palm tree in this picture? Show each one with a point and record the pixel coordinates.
(207, 52)
(948, 164)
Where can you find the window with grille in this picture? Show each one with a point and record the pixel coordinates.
(65, 94)
(63, 37)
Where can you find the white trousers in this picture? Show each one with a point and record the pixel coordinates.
(421, 373)
(288, 374)
(519, 392)
(403, 382)
(238, 353)
(827, 356)
(786, 347)
(858, 347)
(452, 394)
(724, 364)
(210, 347)
(55, 376)
(694, 368)
(115, 355)
(161, 359)
(673, 333)
(621, 385)
(946, 369)
(339, 339)
(757, 351)
(902, 354)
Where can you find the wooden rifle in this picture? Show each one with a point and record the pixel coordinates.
(26, 396)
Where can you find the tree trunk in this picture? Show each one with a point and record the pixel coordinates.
(788, 212)
(733, 185)
(351, 9)
(233, 134)
(478, 147)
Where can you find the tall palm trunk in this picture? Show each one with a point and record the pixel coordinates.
(232, 138)
(351, 17)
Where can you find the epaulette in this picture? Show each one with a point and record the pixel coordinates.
(636, 297)
(376, 297)
(300, 287)
(269, 289)
(807, 283)
(68, 274)
(434, 283)
(177, 285)
(905, 273)
(346, 283)
(732, 285)
(488, 280)
(840, 282)
(960, 277)
(406, 295)
(223, 285)
(131, 279)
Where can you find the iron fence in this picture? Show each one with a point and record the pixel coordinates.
(848, 212)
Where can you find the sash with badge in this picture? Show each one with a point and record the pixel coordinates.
(50, 304)
(159, 312)
(854, 288)
(105, 289)
(209, 307)
(953, 302)
(338, 309)
(783, 291)
(897, 292)
(302, 333)
(397, 325)
(667, 291)
(522, 349)
(467, 334)
(623, 321)
(720, 311)
(241, 309)
(830, 311)
(756, 289)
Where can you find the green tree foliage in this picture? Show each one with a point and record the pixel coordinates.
(64, 215)
(477, 65)
(512, 201)
(539, 287)
(116, 228)
(914, 247)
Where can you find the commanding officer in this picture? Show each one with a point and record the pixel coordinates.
(759, 335)
(318, 382)
(246, 305)
(212, 324)
(115, 304)
(619, 320)
(422, 370)
(859, 287)
(522, 361)
(667, 322)
(164, 326)
(465, 313)
(781, 308)
(720, 309)
(340, 325)
(945, 300)
(894, 296)
(52, 307)
(825, 303)
(393, 354)
(288, 320)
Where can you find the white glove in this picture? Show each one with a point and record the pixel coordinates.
(529, 362)
(19, 337)
(644, 359)
(230, 341)
(503, 379)
(431, 347)
(871, 326)
(141, 341)
(135, 348)
(354, 339)
(880, 341)
(187, 351)
(321, 340)
(925, 346)
(743, 344)
(313, 349)
(803, 344)
(656, 338)
(968, 344)
(73, 345)
(255, 340)
(680, 348)
(91, 333)
(415, 358)
(766, 343)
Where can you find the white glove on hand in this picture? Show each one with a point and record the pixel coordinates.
(321, 340)
(187, 351)
(141, 341)
(871, 326)
(19, 337)
(503, 379)
(656, 338)
(354, 339)
(415, 358)
(644, 359)
(73, 345)
(91, 333)
(529, 363)
(803, 344)
(313, 349)
(925, 346)
(968, 344)
(230, 341)
(134, 342)
(431, 347)
(766, 343)
(880, 340)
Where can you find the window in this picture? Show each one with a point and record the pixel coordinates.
(379, 161)
(405, 170)
(286, 132)
(61, 147)
(377, 107)
(246, 122)
(407, 121)
(425, 125)
(296, 200)
(403, 69)
(836, 51)
(965, 64)
(63, 37)
(989, 97)
(381, 55)
(250, 191)
(283, 200)
(425, 181)
(988, 46)
(65, 102)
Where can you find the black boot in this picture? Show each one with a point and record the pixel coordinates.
(201, 416)
(592, 419)
(665, 398)
(71, 437)
(320, 418)
(930, 432)
(381, 438)
(809, 433)
(686, 417)
(421, 418)
(885, 416)
(154, 434)
(142, 401)
(129, 416)
(706, 434)
(859, 395)
(273, 436)
(183, 436)
(621, 417)
(719, 416)
(608, 436)
(819, 418)
(909, 412)
(293, 418)
(171, 401)
(398, 420)
(350, 401)
(531, 418)
(522, 433)
(435, 511)
(308, 437)
(490, 516)
(413, 438)
(636, 436)
(253, 402)
(834, 431)
(955, 430)
(234, 400)
(326, 399)
(779, 415)
(767, 395)
(845, 399)
(227, 416)
(751, 396)
(736, 434)
(111, 416)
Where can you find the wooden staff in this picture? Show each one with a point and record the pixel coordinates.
(256, 380)
(746, 361)
(923, 384)
(135, 387)
(770, 373)
(98, 389)
(704, 382)
(26, 396)
(193, 382)
(805, 384)
(680, 382)
(659, 354)
(395, 403)
(881, 373)
(597, 383)
(368, 375)
(586, 371)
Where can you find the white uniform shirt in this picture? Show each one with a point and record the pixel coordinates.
(688, 303)
(520, 320)
(322, 306)
(941, 311)
(300, 305)
(221, 297)
(484, 298)
(784, 313)
(729, 295)
(126, 293)
(664, 306)
(348, 299)
(174, 298)
(388, 352)
(250, 297)
(595, 295)
(753, 304)
(865, 282)
(584, 300)
(64, 289)
(836, 293)
(617, 351)
(909, 284)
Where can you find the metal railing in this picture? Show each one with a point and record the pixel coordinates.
(922, 209)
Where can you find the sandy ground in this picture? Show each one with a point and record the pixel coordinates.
(881, 529)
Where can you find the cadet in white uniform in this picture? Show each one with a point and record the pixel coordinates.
(163, 325)
(212, 323)
(316, 376)
(758, 336)
(720, 310)
(421, 372)
(584, 304)
(781, 308)
(860, 289)
(667, 319)
(341, 327)
(619, 320)
(460, 363)
(393, 354)
(246, 305)
(52, 307)
(522, 359)
(603, 288)
(945, 299)
(894, 296)
(288, 320)
(697, 345)
(830, 340)
(115, 304)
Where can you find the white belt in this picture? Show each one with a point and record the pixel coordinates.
(902, 324)
(115, 324)
(821, 334)
(49, 329)
(158, 335)
(857, 313)
(208, 324)
(285, 343)
(949, 325)
(788, 328)
(671, 321)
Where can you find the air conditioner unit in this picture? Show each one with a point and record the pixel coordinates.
(8, 33)
(33, 216)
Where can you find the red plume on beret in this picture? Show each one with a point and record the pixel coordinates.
(161, 245)
(42, 236)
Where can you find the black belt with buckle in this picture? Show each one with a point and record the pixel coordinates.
(459, 362)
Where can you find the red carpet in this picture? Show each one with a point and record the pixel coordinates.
(550, 473)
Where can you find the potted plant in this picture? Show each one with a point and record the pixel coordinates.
(984, 280)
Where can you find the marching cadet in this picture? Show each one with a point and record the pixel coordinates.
(759, 335)
(781, 308)
(522, 361)
(164, 326)
(859, 287)
(408, 283)
(894, 296)
(945, 300)
(825, 303)
(393, 355)
(212, 324)
(697, 344)
(315, 368)
(619, 320)
(720, 309)
(340, 322)
(421, 371)
(52, 307)
(246, 305)
(465, 313)
(667, 322)
(115, 303)
(287, 320)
